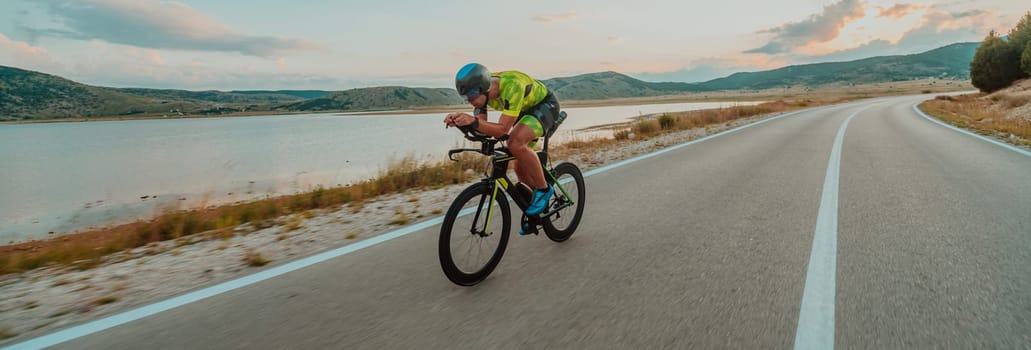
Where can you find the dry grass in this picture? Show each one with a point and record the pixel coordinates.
(253, 258)
(7, 333)
(106, 300)
(648, 127)
(87, 249)
(31, 305)
(983, 115)
(293, 223)
(1011, 100)
(399, 218)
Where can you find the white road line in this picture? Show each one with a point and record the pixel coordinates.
(985, 139)
(816, 317)
(144, 311)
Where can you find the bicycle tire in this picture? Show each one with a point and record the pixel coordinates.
(473, 196)
(561, 232)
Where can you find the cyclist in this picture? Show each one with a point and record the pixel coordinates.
(528, 111)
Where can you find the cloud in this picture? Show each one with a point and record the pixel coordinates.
(964, 14)
(23, 55)
(877, 47)
(819, 28)
(946, 28)
(555, 18)
(939, 28)
(19, 48)
(157, 25)
(899, 10)
(615, 40)
(113, 65)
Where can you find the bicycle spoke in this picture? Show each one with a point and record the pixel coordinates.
(477, 244)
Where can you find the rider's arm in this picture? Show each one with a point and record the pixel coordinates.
(480, 113)
(502, 127)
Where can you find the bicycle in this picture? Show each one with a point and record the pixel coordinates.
(475, 207)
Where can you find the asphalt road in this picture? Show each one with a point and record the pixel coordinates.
(707, 246)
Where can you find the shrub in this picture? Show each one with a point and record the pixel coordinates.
(253, 258)
(667, 121)
(646, 126)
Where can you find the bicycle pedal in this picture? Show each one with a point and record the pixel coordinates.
(531, 225)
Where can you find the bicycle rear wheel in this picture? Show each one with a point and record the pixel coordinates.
(474, 234)
(561, 225)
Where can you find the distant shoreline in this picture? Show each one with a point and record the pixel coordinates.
(416, 110)
(869, 90)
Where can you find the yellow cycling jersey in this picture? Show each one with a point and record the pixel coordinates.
(517, 93)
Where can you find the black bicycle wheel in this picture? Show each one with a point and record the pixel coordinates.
(561, 225)
(474, 235)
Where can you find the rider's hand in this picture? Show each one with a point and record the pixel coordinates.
(458, 119)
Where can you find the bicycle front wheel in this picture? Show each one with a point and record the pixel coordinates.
(474, 234)
(568, 200)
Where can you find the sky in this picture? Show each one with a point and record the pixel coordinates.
(344, 44)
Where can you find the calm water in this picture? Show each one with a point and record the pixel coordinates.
(64, 177)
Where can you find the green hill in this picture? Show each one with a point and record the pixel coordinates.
(221, 96)
(383, 97)
(32, 95)
(596, 86)
(300, 94)
(952, 62)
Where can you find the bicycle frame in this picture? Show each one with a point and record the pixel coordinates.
(499, 179)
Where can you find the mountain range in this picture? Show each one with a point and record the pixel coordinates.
(29, 95)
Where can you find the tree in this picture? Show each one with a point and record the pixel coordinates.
(1020, 39)
(1020, 35)
(996, 64)
(1025, 60)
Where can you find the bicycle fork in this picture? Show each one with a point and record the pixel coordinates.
(490, 209)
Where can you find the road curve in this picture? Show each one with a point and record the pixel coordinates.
(706, 246)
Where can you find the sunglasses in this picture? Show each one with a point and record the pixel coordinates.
(472, 94)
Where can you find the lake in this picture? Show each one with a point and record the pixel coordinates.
(64, 177)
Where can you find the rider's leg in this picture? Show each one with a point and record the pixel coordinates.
(528, 167)
(518, 169)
